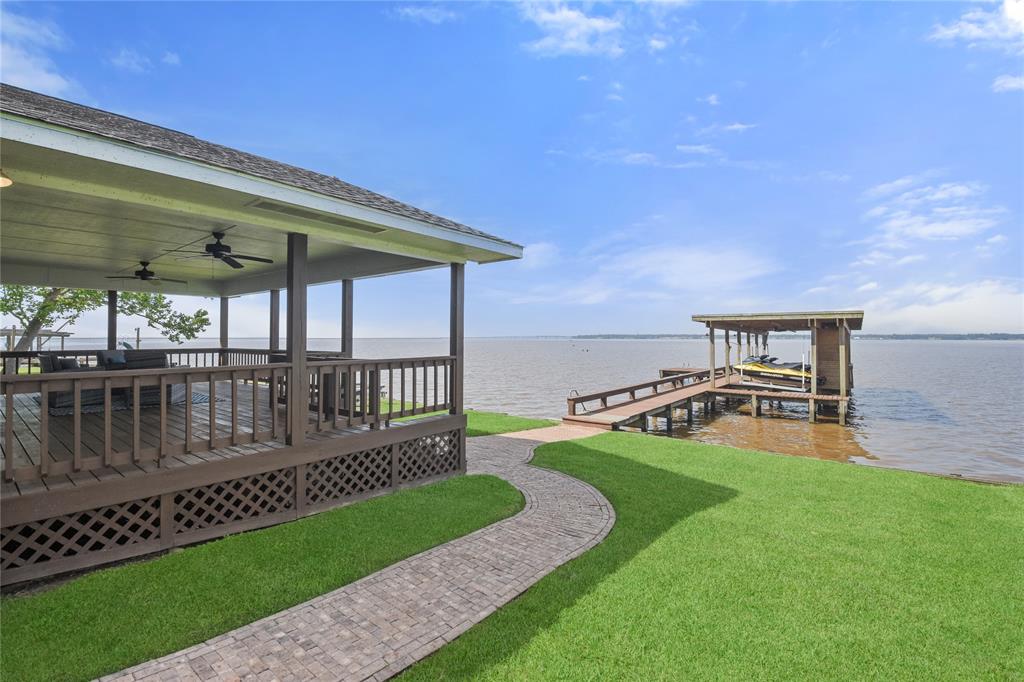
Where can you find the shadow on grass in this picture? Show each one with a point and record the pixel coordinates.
(648, 501)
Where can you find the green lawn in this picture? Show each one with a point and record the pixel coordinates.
(728, 564)
(110, 619)
(490, 423)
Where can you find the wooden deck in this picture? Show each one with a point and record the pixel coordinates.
(61, 429)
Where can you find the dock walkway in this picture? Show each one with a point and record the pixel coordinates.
(677, 387)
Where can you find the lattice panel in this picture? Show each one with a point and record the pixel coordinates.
(234, 500)
(94, 530)
(428, 456)
(347, 475)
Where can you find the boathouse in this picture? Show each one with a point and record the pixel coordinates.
(823, 382)
(108, 454)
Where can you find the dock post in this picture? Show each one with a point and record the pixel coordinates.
(689, 412)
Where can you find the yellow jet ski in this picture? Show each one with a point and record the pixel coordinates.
(763, 366)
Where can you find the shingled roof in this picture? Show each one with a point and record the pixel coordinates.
(21, 102)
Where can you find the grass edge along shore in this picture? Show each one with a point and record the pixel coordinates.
(722, 563)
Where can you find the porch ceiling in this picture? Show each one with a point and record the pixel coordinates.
(83, 207)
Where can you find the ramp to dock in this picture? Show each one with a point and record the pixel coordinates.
(661, 395)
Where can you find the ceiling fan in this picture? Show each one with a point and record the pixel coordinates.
(222, 252)
(147, 275)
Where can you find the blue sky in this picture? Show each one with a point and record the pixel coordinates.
(656, 159)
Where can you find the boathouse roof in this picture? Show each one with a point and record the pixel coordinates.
(789, 322)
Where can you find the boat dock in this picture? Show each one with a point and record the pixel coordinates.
(825, 388)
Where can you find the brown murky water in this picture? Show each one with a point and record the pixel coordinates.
(948, 407)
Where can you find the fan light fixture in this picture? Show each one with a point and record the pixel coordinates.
(4, 180)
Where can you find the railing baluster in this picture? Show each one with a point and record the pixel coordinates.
(108, 417)
(44, 428)
(337, 396)
(136, 432)
(188, 413)
(162, 454)
(213, 410)
(256, 405)
(274, 387)
(77, 392)
(9, 430)
(234, 409)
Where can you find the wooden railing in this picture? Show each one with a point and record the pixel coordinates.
(637, 391)
(26, 362)
(71, 422)
(94, 435)
(348, 392)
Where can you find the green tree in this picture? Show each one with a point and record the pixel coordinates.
(39, 307)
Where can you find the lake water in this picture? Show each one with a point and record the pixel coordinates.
(949, 407)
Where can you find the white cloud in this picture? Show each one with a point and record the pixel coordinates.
(1007, 83)
(421, 13)
(704, 149)
(569, 31)
(130, 60)
(980, 306)
(1001, 28)
(711, 99)
(539, 255)
(658, 43)
(911, 211)
(886, 188)
(171, 58)
(25, 47)
(726, 128)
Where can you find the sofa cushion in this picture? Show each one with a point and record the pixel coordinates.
(48, 362)
(111, 359)
(145, 359)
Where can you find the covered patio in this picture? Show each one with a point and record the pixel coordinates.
(105, 461)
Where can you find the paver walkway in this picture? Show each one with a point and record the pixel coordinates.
(381, 624)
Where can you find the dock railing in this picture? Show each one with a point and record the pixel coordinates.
(637, 391)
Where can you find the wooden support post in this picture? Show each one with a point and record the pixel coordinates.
(347, 296)
(811, 404)
(275, 319)
(456, 333)
(111, 320)
(711, 355)
(728, 358)
(295, 345)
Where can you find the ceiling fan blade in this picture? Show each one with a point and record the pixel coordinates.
(258, 259)
(232, 262)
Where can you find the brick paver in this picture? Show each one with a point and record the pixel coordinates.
(381, 624)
